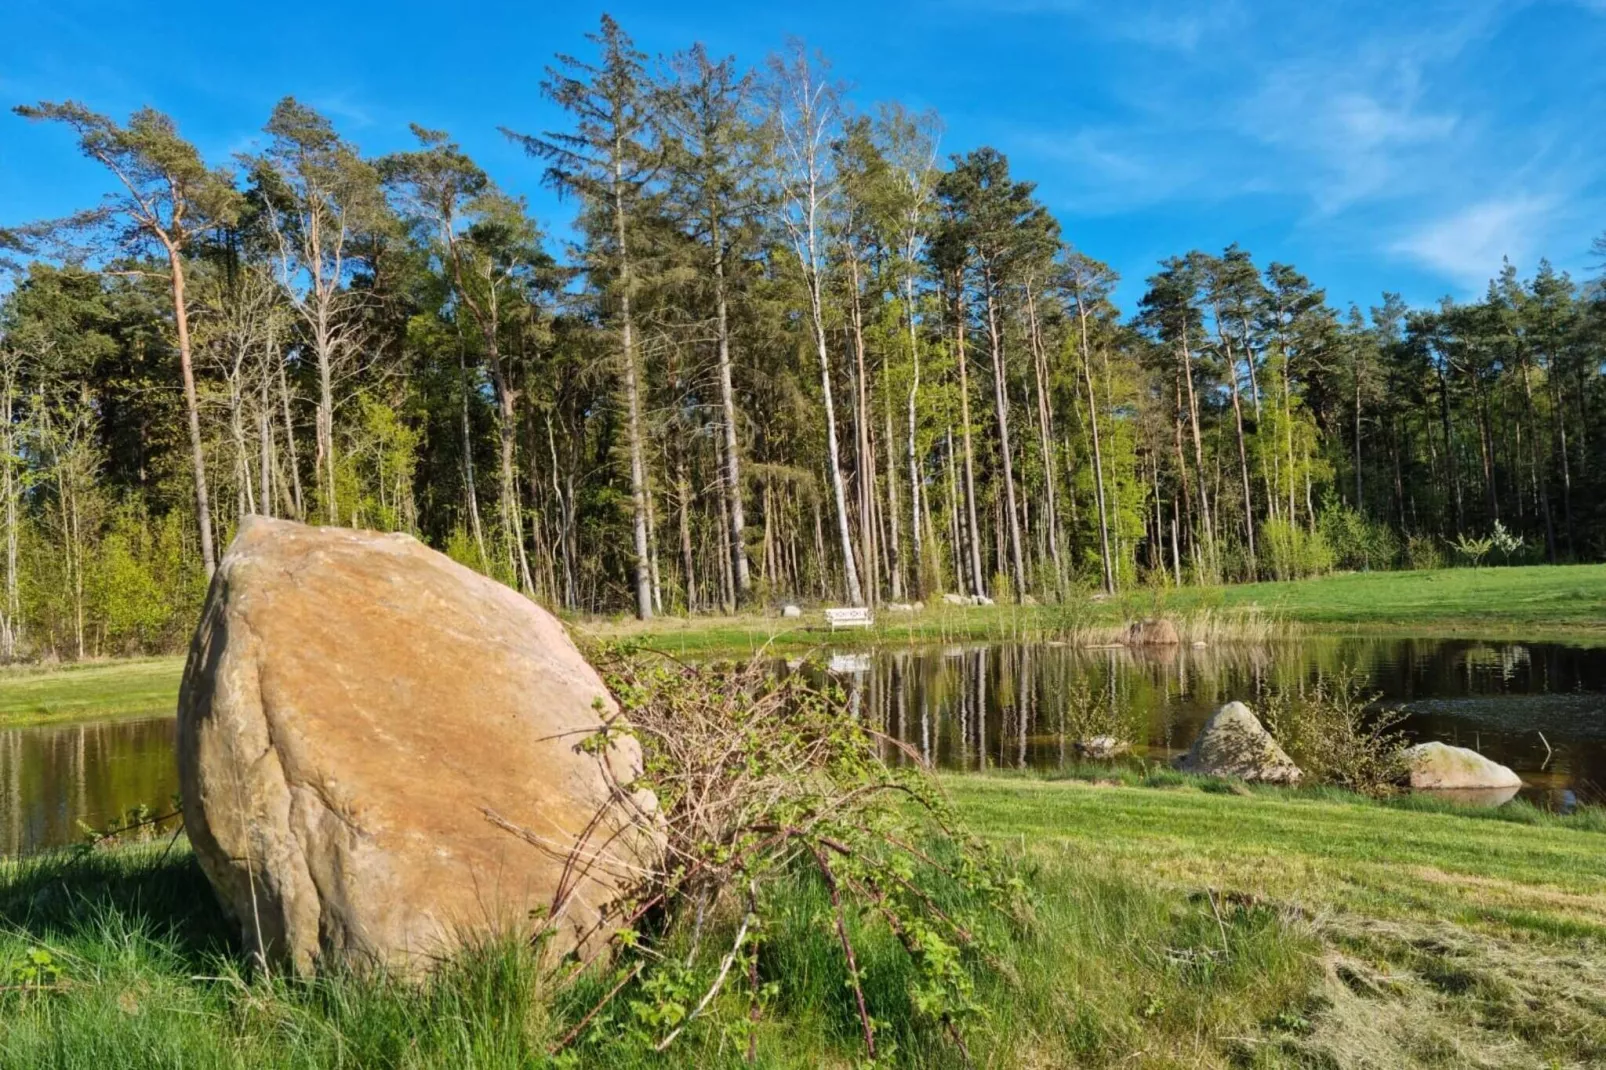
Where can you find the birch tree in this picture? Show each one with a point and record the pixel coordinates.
(805, 113)
(319, 199)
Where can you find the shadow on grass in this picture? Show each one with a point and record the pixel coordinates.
(67, 894)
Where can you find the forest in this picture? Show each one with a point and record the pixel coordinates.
(796, 348)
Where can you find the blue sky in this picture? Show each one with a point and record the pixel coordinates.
(1405, 145)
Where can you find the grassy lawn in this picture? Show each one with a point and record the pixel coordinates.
(1189, 925)
(126, 688)
(1537, 602)
(1532, 600)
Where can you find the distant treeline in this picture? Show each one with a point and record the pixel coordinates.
(794, 351)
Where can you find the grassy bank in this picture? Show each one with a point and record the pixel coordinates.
(1558, 602)
(1175, 926)
(133, 687)
(1562, 603)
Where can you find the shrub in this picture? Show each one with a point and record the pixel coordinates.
(1423, 552)
(1337, 735)
(1357, 541)
(766, 783)
(1090, 714)
(1292, 552)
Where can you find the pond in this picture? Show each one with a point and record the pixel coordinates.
(1539, 708)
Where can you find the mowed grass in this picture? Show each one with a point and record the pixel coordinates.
(1195, 925)
(133, 687)
(1532, 601)
(1537, 602)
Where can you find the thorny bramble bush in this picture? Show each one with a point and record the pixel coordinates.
(765, 779)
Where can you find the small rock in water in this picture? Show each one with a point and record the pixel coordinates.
(1101, 747)
(790, 611)
(1233, 743)
(1446, 768)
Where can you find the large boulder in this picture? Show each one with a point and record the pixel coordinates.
(1159, 632)
(1233, 743)
(1439, 766)
(380, 756)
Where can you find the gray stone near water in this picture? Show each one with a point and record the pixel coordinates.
(1101, 747)
(1233, 743)
(1442, 767)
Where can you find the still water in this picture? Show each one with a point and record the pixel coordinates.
(1539, 708)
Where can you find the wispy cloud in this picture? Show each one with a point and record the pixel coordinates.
(1468, 244)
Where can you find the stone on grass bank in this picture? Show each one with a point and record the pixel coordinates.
(1159, 632)
(1233, 743)
(1439, 766)
(355, 708)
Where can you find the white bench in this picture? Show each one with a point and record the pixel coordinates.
(849, 617)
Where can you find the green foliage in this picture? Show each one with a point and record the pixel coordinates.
(768, 785)
(1357, 541)
(1337, 734)
(1472, 550)
(1423, 552)
(1293, 552)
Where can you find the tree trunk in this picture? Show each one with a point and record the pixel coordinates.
(917, 580)
(862, 429)
(974, 530)
(1098, 454)
(638, 462)
(727, 399)
(1198, 456)
(1001, 402)
(203, 505)
(1045, 435)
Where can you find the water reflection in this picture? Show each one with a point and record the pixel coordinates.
(52, 778)
(1538, 708)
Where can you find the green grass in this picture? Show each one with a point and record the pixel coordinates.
(1537, 602)
(132, 687)
(1190, 924)
(1533, 601)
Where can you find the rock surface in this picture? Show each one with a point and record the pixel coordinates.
(354, 709)
(1443, 767)
(1152, 633)
(791, 612)
(1233, 743)
(1102, 747)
